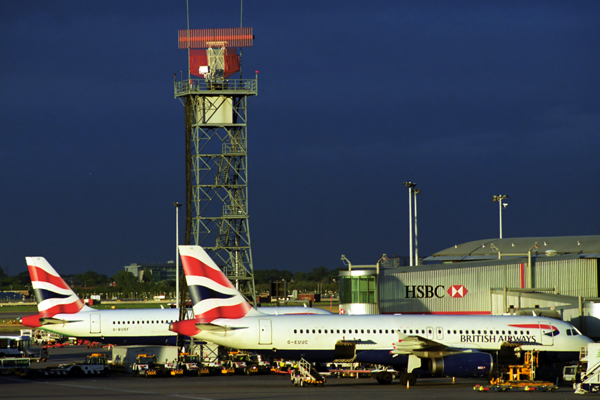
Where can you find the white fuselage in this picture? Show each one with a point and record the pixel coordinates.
(131, 326)
(137, 326)
(319, 334)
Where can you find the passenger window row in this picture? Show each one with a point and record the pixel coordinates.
(343, 331)
(415, 331)
(140, 322)
(485, 332)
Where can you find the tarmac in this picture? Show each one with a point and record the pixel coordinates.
(118, 386)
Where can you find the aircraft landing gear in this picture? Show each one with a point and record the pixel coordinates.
(405, 378)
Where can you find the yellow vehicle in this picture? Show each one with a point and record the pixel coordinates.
(521, 376)
(228, 368)
(306, 375)
(145, 365)
(190, 363)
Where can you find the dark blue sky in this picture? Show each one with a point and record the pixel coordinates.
(467, 98)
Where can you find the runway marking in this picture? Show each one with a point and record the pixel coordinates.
(115, 390)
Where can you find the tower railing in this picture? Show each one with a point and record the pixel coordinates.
(196, 86)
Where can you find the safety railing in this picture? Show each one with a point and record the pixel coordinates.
(191, 86)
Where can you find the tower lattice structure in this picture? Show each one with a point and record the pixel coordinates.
(216, 133)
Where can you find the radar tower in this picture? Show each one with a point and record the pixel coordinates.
(216, 149)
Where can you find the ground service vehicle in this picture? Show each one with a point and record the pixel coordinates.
(145, 365)
(94, 364)
(519, 376)
(173, 368)
(588, 370)
(190, 363)
(10, 365)
(306, 375)
(13, 346)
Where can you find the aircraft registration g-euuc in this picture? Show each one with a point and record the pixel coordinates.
(61, 311)
(457, 346)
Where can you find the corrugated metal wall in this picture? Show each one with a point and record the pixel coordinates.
(429, 289)
(576, 277)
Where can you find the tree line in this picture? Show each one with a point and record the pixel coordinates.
(124, 284)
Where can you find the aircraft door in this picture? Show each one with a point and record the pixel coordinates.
(430, 332)
(547, 333)
(95, 323)
(264, 333)
(440, 333)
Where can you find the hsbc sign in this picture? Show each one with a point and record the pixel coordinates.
(429, 291)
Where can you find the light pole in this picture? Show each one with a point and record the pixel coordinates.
(177, 205)
(410, 186)
(501, 205)
(416, 192)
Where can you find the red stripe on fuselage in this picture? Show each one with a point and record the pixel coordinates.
(194, 267)
(39, 275)
(534, 326)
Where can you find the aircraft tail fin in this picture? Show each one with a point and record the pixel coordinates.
(52, 294)
(213, 294)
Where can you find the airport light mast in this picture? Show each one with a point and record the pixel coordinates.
(416, 192)
(217, 149)
(501, 205)
(410, 186)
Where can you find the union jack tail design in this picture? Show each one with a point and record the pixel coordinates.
(213, 295)
(52, 294)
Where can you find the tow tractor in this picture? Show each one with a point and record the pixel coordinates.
(145, 365)
(209, 368)
(228, 368)
(520, 376)
(190, 363)
(249, 363)
(12, 365)
(173, 368)
(306, 375)
(94, 364)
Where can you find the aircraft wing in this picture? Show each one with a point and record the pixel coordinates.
(422, 347)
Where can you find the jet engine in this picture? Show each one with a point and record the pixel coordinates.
(463, 365)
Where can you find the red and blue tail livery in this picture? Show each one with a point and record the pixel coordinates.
(61, 311)
(52, 293)
(213, 295)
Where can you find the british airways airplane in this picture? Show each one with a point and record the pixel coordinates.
(458, 346)
(62, 311)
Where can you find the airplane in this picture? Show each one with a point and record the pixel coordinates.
(62, 311)
(455, 346)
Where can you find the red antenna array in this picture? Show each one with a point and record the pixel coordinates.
(212, 51)
(210, 38)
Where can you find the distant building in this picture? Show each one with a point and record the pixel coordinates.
(159, 271)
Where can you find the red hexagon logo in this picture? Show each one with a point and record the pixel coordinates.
(457, 291)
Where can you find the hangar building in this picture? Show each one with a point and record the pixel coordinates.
(553, 276)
